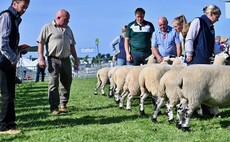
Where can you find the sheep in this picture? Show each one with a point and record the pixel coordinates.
(167, 86)
(149, 79)
(203, 84)
(131, 86)
(112, 85)
(118, 78)
(102, 80)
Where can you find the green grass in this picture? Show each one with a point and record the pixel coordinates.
(95, 118)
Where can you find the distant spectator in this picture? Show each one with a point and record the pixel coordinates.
(40, 71)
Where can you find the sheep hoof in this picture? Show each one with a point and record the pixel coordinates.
(171, 121)
(95, 93)
(121, 107)
(154, 120)
(129, 110)
(185, 129)
(117, 101)
(103, 94)
(142, 112)
(178, 125)
(110, 96)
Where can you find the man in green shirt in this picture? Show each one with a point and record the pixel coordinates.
(138, 39)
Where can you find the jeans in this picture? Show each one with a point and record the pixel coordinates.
(42, 71)
(7, 115)
(121, 62)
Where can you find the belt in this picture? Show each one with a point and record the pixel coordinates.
(58, 57)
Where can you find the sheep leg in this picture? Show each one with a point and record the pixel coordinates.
(117, 96)
(97, 87)
(215, 111)
(170, 112)
(181, 109)
(142, 99)
(129, 102)
(102, 90)
(159, 104)
(111, 90)
(123, 95)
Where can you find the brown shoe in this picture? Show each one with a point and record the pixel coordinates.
(11, 131)
(63, 109)
(55, 112)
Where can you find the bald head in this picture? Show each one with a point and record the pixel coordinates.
(163, 24)
(62, 18)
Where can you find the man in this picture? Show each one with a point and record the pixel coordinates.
(166, 41)
(138, 39)
(60, 44)
(9, 39)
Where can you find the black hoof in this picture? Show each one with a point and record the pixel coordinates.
(171, 121)
(159, 113)
(129, 110)
(110, 96)
(95, 93)
(117, 101)
(103, 94)
(142, 112)
(154, 120)
(185, 129)
(121, 107)
(178, 125)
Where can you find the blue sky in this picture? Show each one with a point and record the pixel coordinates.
(103, 19)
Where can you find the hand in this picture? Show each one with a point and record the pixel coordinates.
(129, 58)
(42, 63)
(188, 59)
(159, 59)
(76, 65)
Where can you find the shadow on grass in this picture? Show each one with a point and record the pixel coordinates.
(61, 122)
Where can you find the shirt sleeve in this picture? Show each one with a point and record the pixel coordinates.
(114, 43)
(42, 38)
(5, 30)
(154, 39)
(191, 36)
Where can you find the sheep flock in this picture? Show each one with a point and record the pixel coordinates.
(171, 83)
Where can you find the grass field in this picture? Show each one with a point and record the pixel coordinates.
(96, 118)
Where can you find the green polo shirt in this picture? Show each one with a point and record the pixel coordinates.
(140, 37)
(57, 40)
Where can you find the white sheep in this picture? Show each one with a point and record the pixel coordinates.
(102, 80)
(203, 84)
(118, 78)
(168, 85)
(131, 86)
(112, 84)
(149, 79)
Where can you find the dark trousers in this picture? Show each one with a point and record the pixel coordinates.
(138, 59)
(42, 71)
(59, 69)
(7, 115)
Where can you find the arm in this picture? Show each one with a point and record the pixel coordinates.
(191, 36)
(114, 43)
(155, 50)
(5, 28)
(74, 54)
(41, 59)
(127, 50)
(178, 49)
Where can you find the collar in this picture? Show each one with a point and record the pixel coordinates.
(205, 18)
(17, 14)
(143, 24)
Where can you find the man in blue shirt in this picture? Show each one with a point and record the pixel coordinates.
(165, 41)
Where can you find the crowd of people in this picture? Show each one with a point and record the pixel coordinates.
(139, 39)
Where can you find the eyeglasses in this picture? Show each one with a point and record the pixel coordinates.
(164, 35)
